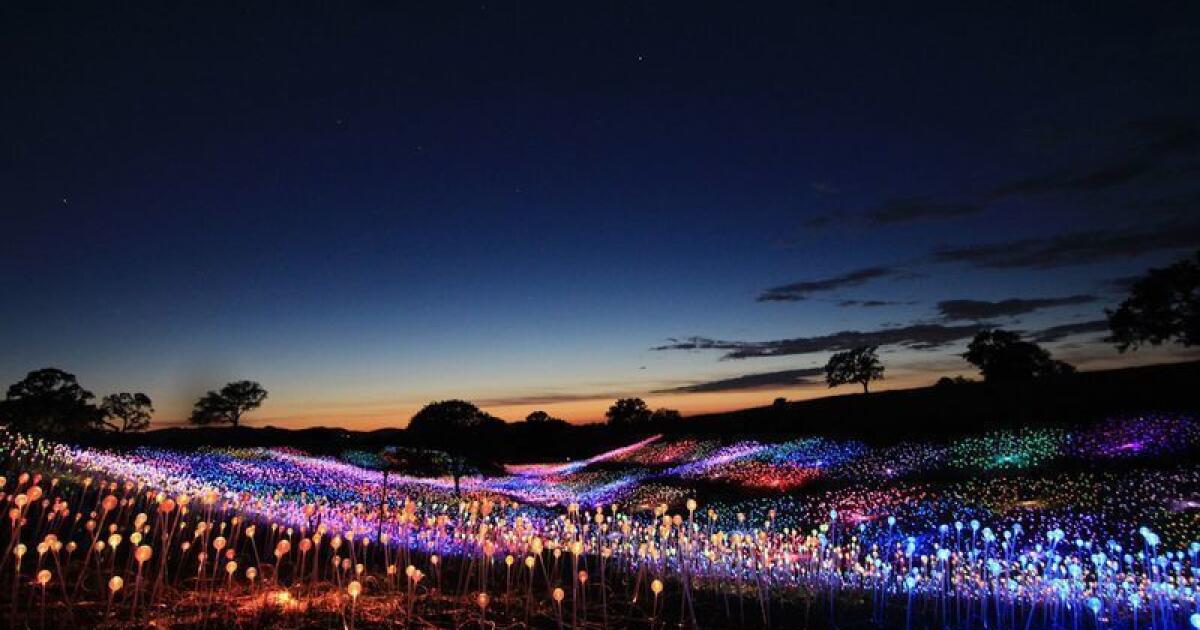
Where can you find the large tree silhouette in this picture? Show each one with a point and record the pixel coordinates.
(860, 365)
(544, 419)
(125, 412)
(49, 401)
(1002, 356)
(228, 405)
(628, 412)
(1162, 306)
(464, 436)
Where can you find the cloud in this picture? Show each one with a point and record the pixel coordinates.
(1098, 179)
(901, 210)
(957, 310)
(545, 398)
(915, 209)
(1157, 140)
(1075, 248)
(869, 303)
(800, 290)
(1055, 333)
(916, 336)
(1123, 284)
(749, 382)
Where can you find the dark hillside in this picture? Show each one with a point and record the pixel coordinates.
(929, 412)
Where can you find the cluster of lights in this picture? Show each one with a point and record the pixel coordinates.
(1063, 545)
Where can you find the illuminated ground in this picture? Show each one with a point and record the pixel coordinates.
(1041, 527)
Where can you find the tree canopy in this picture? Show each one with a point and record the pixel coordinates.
(1162, 306)
(49, 401)
(125, 412)
(663, 415)
(540, 417)
(1002, 356)
(628, 412)
(448, 416)
(860, 365)
(459, 440)
(228, 405)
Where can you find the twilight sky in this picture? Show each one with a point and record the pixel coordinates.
(549, 206)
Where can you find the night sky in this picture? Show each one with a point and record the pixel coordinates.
(549, 206)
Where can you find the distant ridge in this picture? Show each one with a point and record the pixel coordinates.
(937, 412)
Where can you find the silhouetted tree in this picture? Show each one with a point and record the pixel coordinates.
(125, 412)
(542, 418)
(49, 401)
(450, 416)
(626, 412)
(228, 405)
(1162, 306)
(665, 416)
(860, 365)
(779, 403)
(1002, 356)
(947, 381)
(465, 436)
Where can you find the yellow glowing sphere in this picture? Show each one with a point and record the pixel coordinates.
(529, 562)
(115, 583)
(219, 543)
(354, 589)
(231, 568)
(43, 577)
(559, 594)
(508, 560)
(251, 573)
(20, 550)
(583, 577)
(656, 586)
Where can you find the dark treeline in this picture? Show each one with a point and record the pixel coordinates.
(954, 408)
(1022, 385)
(946, 410)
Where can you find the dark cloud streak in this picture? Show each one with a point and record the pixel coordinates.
(916, 336)
(797, 291)
(961, 310)
(1056, 333)
(1075, 248)
(750, 382)
(1158, 140)
(916, 209)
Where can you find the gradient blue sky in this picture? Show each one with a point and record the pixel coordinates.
(369, 208)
